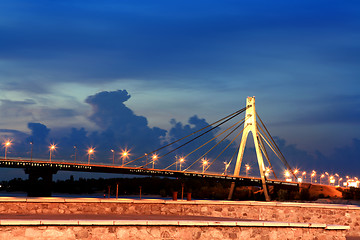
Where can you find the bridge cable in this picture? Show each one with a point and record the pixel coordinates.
(266, 138)
(263, 149)
(230, 115)
(286, 163)
(242, 120)
(211, 140)
(227, 145)
(198, 136)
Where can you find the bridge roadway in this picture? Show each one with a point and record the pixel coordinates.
(54, 166)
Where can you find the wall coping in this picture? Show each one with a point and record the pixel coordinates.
(182, 202)
(52, 222)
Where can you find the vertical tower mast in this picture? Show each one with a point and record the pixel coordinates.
(250, 126)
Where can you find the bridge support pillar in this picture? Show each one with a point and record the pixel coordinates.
(40, 182)
(250, 125)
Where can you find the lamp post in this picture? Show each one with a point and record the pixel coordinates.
(322, 176)
(113, 157)
(204, 163)
(267, 172)
(154, 158)
(51, 148)
(339, 181)
(124, 155)
(181, 161)
(90, 152)
(247, 168)
(287, 176)
(31, 150)
(304, 175)
(295, 172)
(6, 144)
(313, 174)
(75, 150)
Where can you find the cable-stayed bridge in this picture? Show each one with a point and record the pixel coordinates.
(187, 157)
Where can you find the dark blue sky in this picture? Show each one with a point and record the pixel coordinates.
(178, 59)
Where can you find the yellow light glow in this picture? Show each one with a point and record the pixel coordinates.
(91, 150)
(154, 157)
(52, 147)
(287, 173)
(182, 159)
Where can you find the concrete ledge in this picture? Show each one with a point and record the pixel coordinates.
(337, 227)
(182, 202)
(36, 222)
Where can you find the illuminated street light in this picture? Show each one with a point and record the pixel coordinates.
(124, 155)
(181, 161)
(75, 152)
(52, 148)
(267, 172)
(247, 168)
(154, 158)
(331, 180)
(31, 151)
(304, 175)
(313, 174)
(204, 163)
(113, 158)
(322, 176)
(295, 172)
(339, 181)
(6, 145)
(90, 152)
(287, 176)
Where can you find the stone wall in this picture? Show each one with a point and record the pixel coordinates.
(266, 211)
(163, 233)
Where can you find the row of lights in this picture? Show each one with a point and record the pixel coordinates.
(125, 154)
(331, 178)
(52, 148)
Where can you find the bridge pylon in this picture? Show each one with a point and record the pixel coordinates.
(250, 125)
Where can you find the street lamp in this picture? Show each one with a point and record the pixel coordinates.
(181, 161)
(313, 174)
(331, 180)
(204, 163)
(322, 176)
(247, 168)
(6, 144)
(154, 158)
(124, 155)
(267, 172)
(112, 150)
(75, 150)
(90, 152)
(52, 147)
(304, 175)
(31, 151)
(295, 172)
(287, 176)
(339, 181)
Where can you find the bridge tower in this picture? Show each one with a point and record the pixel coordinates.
(250, 125)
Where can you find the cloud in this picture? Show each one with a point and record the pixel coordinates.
(120, 126)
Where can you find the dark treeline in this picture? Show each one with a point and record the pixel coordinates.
(164, 187)
(199, 189)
